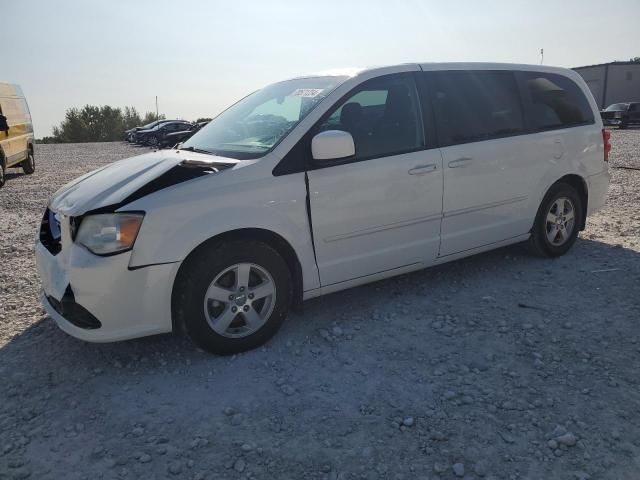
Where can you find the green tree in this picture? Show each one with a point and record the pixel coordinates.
(131, 118)
(71, 129)
(151, 117)
(98, 124)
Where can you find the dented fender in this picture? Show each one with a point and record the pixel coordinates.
(184, 216)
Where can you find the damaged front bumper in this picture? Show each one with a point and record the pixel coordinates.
(100, 299)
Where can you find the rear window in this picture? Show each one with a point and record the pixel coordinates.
(472, 106)
(555, 101)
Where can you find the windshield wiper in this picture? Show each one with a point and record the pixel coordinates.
(197, 150)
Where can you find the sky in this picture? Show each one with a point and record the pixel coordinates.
(200, 56)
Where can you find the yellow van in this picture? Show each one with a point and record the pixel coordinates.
(16, 131)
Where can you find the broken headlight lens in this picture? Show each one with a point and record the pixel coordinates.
(106, 234)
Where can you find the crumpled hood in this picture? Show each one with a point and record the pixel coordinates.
(113, 183)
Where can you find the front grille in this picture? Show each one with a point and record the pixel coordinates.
(74, 312)
(50, 232)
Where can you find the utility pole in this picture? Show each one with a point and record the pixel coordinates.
(157, 114)
(541, 56)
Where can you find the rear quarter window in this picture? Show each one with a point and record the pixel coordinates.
(554, 101)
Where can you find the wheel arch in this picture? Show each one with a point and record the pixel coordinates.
(579, 183)
(269, 237)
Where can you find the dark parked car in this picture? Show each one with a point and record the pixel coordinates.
(130, 135)
(153, 136)
(621, 114)
(172, 139)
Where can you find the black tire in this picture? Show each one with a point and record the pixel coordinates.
(622, 126)
(539, 243)
(152, 141)
(2, 171)
(198, 273)
(29, 164)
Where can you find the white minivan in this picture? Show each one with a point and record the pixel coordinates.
(318, 184)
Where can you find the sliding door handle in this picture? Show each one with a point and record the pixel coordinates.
(460, 162)
(422, 169)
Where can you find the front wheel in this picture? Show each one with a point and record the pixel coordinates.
(152, 141)
(557, 222)
(29, 164)
(233, 297)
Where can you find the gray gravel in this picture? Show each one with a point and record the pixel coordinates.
(500, 366)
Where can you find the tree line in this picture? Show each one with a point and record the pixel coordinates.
(97, 124)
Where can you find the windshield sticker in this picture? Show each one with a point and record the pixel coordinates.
(307, 92)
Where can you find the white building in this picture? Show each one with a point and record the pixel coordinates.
(612, 82)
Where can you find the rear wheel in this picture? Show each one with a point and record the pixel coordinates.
(233, 297)
(2, 170)
(29, 164)
(557, 222)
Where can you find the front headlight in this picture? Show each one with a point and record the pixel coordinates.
(110, 233)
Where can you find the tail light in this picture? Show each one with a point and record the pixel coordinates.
(606, 139)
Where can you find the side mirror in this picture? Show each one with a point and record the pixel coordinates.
(332, 145)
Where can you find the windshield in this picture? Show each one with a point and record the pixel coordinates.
(257, 123)
(616, 107)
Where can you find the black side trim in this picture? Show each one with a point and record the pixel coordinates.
(308, 205)
(138, 267)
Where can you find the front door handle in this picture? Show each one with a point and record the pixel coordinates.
(460, 162)
(422, 169)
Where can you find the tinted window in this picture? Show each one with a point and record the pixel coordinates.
(556, 101)
(383, 117)
(471, 106)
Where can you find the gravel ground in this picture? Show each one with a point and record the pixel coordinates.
(499, 366)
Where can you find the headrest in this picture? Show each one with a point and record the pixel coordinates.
(351, 113)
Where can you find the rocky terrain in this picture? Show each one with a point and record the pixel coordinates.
(500, 366)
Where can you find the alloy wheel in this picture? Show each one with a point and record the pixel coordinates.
(240, 300)
(560, 221)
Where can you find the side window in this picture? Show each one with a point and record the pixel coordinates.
(555, 101)
(471, 106)
(383, 117)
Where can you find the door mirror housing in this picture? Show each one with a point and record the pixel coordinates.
(332, 145)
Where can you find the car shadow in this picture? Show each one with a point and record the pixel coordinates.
(507, 277)
(9, 175)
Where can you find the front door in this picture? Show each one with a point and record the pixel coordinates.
(380, 210)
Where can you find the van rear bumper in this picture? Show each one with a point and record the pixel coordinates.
(598, 186)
